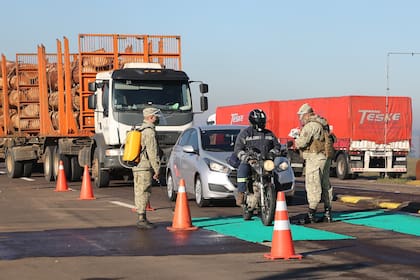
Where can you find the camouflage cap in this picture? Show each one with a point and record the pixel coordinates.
(305, 108)
(150, 111)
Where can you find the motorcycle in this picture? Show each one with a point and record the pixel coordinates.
(269, 175)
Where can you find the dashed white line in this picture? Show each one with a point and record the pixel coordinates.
(123, 204)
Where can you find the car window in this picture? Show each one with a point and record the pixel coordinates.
(193, 140)
(185, 137)
(219, 140)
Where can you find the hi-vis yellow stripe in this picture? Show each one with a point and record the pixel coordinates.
(281, 225)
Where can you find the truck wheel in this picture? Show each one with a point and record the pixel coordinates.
(27, 168)
(66, 164)
(76, 169)
(14, 168)
(101, 177)
(342, 169)
(49, 164)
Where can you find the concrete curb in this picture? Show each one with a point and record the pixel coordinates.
(384, 204)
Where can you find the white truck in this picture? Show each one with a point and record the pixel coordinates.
(77, 108)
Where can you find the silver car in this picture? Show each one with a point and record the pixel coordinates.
(199, 157)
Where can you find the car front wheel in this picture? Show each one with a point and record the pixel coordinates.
(198, 189)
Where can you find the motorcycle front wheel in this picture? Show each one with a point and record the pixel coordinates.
(269, 209)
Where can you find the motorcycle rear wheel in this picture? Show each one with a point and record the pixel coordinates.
(268, 211)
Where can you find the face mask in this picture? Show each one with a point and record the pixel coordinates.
(156, 121)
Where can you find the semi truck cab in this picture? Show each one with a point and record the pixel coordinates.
(118, 101)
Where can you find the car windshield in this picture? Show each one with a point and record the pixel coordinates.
(219, 140)
(132, 95)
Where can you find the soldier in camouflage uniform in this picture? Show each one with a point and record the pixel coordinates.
(317, 168)
(148, 166)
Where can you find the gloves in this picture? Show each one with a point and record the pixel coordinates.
(273, 153)
(294, 133)
(242, 156)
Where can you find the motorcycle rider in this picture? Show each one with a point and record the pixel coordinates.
(317, 168)
(254, 136)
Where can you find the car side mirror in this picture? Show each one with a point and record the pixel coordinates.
(189, 149)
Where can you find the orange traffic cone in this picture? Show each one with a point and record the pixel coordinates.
(148, 208)
(282, 244)
(86, 190)
(182, 217)
(61, 185)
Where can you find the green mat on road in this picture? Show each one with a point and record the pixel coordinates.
(402, 223)
(255, 231)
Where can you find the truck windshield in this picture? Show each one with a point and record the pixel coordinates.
(132, 95)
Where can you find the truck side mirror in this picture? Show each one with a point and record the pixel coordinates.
(204, 103)
(92, 101)
(92, 86)
(204, 88)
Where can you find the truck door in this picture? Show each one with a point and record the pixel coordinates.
(103, 115)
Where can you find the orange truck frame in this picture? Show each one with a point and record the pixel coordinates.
(56, 107)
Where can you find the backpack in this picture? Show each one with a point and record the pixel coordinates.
(326, 144)
(132, 147)
(329, 139)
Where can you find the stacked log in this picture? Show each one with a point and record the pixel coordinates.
(24, 99)
(97, 63)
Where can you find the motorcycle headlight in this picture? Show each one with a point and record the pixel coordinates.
(268, 165)
(283, 165)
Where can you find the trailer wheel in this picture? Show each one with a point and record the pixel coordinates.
(66, 164)
(14, 168)
(49, 164)
(76, 169)
(101, 177)
(342, 169)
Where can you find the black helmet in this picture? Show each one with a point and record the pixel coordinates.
(257, 119)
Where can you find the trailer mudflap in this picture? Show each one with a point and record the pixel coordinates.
(24, 153)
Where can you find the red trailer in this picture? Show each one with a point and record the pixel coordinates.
(373, 132)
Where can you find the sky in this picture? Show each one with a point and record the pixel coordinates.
(249, 50)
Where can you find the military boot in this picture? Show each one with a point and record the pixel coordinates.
(143, 223)
(310, 216)
(327, 216)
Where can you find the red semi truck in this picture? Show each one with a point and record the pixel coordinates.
(373, 132)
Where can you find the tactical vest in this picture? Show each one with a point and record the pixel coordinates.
(324, 145)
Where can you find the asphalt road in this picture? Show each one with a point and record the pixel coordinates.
(54, 235)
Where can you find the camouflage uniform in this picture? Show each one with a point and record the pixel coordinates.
(149, 164)
(317, 168)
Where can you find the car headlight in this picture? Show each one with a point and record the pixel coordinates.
(268, 165)
(215, 166)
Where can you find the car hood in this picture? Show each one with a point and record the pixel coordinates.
(218, 156)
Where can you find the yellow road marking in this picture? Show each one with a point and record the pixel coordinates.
(354, 199)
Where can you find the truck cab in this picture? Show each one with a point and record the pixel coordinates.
(118, 102)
